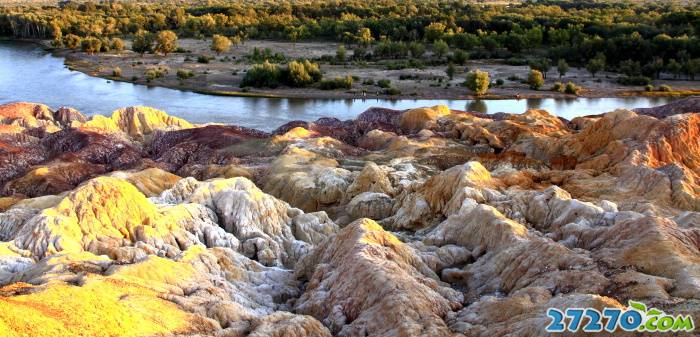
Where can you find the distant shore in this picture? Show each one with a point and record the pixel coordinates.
(222, 75)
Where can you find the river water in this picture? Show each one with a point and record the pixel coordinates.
(28, 73)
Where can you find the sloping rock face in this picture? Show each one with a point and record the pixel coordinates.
(423, 222)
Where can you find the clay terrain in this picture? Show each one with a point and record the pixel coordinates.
(424, 222)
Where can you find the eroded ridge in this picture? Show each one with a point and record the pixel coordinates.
(424, 222)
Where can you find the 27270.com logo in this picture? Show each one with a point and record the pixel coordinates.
(635, 318)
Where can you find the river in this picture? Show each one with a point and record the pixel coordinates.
(28, 73)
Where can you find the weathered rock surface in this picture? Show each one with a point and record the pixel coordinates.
(423, 222)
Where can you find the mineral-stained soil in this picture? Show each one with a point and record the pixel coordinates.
(424, 222)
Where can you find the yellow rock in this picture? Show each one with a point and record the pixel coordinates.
(137, 122)
(421, 118)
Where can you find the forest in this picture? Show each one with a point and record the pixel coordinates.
(632, 38)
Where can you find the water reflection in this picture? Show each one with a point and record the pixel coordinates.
(478, 106)
(27, 73)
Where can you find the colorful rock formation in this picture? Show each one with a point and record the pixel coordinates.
(424, 222)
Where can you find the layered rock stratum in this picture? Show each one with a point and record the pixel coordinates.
(424, 222)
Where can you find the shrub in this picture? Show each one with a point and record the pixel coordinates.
(90, 45)
(166, 42)
(301, 73)
(558, 86)
(203, 59)
(392, 91)
(117, 72)
(143, 42)
(514, 78)
(384, 83)
(516, 61)
(153, 73)
(184, 74)
(665, 88)
(500, 82)
(263, 74)
(572, 88)
(117, 44)
(634, 80)
(341, 53)
(417, 49)
(478, 81)
(460, 57)
(535, 79)
(649, 87)
(71, 41)
(220, 44)
(368, 81)
(336, 83)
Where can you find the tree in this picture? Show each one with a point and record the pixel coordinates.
(300, 74)
(562, 67)
(341, 53)
(166, 42)
(543, 65)
(435, 31)
(417, 49)
(478, 81)
(91, 45)
(692, 68)
(143, 42)
(264, 74)
(654, 67)
(460, 56)
(57, 34)
(220, 44)
(674, 68)
(596, 64)
(441, 48)
(71, 41)
(450, 71)
(364, 36)
(630, 68)
(117, 44)
(535, 79)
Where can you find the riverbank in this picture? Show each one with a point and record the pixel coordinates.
(222, 74)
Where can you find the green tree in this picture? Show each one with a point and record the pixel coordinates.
(166, 42)
(478, 81)
(674, 68)
(535, 79)
(260, 75)
(220, 44)
(450, 71)
(417, 49)
(440, 48)
(543, 65)
(630, 68)
(692, 68)
(460, 56)
(143, 42)
(654, 67)
(91, 45)
(341, 53)
(596, 64)
(562, 67)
